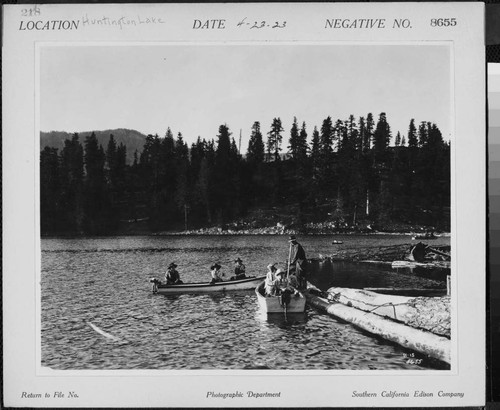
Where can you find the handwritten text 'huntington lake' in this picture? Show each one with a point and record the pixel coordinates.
(87, 22)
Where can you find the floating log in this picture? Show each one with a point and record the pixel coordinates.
(408, 291)
(432, 314)
(406, 264)
(421, 341)
(412, 264)
(429, 249)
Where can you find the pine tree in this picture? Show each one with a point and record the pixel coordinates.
(182, 183)
(255, 153)
(326, 138)
(350, 183)
(115, 169)
(397, 142)
(223, 170)
(294, 139)
(196, 153)
(204, 187)
(72, 185)
(339, 133)
(326, 161)
(205, 182)
(121, 164)
(412, 135)
(302, 146)
(98, 216)
(422, 134)
(352, 134)
(167, 162)
(50, 191)
(315, 164)
(363, 137)
(382, 134)
(274, 138)
(367, 142)
(111, 153)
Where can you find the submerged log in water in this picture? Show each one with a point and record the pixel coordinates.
(375, 253)
(428, 313)
(428, 343)
(392, 253)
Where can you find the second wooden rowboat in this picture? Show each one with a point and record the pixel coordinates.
(228, 285)
(277, 304)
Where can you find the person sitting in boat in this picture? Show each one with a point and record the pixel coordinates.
(239, 270)
(216, 273)
(293, 281)
(270, 278)
(282, 284)
(172, 277)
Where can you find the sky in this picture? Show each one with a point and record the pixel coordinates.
(193, 89)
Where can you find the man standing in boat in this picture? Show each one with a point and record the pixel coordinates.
(298, 258)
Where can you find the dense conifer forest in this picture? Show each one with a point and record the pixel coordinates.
(351, 173)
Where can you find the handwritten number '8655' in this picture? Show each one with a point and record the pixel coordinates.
(443, 22)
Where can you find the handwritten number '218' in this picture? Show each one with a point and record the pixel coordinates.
(31, 12)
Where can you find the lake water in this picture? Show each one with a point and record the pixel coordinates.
(98, 310)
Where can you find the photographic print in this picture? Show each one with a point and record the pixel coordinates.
(197, 166)
(243, 205)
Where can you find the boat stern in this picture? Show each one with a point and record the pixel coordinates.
(155, 283)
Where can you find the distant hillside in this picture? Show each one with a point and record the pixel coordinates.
(132, 139)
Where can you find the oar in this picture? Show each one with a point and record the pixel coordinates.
(288, 271)
(289, 257)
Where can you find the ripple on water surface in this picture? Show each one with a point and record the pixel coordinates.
(98, 311)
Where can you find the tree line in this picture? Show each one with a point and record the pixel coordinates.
(346, 172)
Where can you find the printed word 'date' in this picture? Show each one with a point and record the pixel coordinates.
(209, 24)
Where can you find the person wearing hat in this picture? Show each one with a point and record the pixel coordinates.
(282, 283)
(298, 259)
(216, 273)
(172, 276)
(270, 278)
(239, 270)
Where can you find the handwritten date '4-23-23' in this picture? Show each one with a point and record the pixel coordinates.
(261, 24)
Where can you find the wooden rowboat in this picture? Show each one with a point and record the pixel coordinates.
(229, 285)
(274, 304)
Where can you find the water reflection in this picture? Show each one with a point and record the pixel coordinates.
(327, 273)
(216, 297)
(281, 320)
(200, 331)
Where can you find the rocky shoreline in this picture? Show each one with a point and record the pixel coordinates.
(320, 228)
